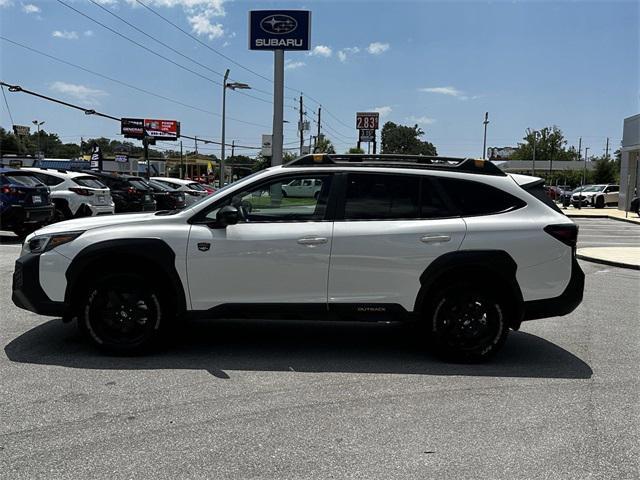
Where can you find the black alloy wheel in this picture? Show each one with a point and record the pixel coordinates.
(467, 323)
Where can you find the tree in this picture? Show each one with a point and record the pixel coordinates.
(606, 171)
(355, 150)
(405, 140)
(323, 145)
(550, 145)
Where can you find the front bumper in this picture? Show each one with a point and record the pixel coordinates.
(563, 304)
(583, 202)
(27, 292)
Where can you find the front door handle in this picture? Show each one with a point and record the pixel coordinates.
(435, 238)
(311, 241)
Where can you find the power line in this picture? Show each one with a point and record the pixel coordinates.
(88, 111)
(7, 103)
(128, 85)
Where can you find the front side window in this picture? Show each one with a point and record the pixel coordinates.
(270, 202)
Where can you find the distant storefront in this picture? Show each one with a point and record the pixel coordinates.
(629, 177)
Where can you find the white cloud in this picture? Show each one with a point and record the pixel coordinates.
(344, 53)
(422, 120)
(213, 8)
(5, 3)
(289, 65)
(383, 111)
(450, 91)
(30, 8)
(107, 2)
(376, 48)
(80, 92)
(65, 34)
(88, 33)
(321, 50)
(201, 25)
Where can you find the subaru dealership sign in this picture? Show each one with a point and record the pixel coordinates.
(279, 30)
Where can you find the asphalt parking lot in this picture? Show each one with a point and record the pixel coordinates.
(300, 400)
(602, 232)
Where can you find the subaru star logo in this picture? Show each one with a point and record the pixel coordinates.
(278, 24)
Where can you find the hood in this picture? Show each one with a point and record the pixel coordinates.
(87, 223)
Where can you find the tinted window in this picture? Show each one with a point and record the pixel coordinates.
(48, 179)
(139, 184)
(158, 186)
(380, 197)
(23, 179)
(89, 182)
(473, 198)
(431, 203)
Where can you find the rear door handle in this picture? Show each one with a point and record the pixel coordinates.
(311, 241)
(435, 238)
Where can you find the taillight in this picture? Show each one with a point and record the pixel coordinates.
(566, 233)
(9, 191)
(81, 191)
(133, 191)
(193, 194)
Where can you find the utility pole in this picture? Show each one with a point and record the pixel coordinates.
(224, 111)
(181, 162)
(319, 123)
(196, 140)
(580, 148)
(584, 174)
(484, 143)
(233, 148)
(145, 144)
(301, 125)
(606, 150)
(38, 124)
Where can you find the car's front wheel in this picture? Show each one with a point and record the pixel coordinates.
(599, 203)
(467, 322)
(123, 314)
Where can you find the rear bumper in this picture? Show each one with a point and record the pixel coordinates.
(27, 292)
(563, 304)
(102, 209)
(17, 215)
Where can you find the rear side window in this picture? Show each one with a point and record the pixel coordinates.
(382, 197)
(89, 182)
(473, 198)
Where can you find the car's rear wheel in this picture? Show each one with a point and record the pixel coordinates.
(467, 322)
(123, 314)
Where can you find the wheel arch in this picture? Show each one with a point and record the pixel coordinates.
(149, 257)
(498, 265)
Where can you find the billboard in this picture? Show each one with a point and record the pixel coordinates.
(279, 29)
(21, 130)
(367, 135)
(157, 129)
(367, 120)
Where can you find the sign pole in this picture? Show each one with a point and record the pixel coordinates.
(278, 106)
(145, 144)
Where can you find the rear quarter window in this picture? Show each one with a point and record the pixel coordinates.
(472, 198)
(24, 179)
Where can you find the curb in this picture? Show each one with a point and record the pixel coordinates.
(626, 220)
(611, 263)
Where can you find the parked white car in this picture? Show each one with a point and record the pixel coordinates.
(456, 246)
(75, 194)
(302, 187)
(598, 196)
(193, 190)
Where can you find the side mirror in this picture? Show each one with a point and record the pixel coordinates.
(227, 215)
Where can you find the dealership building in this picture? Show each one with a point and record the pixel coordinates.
(629, 176)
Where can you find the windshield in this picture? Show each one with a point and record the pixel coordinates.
(139, 184)
(593, 188)
(23, 179)
(90, 182)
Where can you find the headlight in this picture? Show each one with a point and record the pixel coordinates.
(44, 243)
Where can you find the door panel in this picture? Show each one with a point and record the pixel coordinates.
(381, 261)
(259, 263)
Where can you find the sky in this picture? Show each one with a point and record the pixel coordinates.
(440, 65)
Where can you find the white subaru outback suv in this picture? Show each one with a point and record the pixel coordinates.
(75, 194)
(454, 245)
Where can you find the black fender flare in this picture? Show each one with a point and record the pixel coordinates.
(146, 250)
(500, 265)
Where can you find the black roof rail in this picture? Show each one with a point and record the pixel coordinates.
(466, 165)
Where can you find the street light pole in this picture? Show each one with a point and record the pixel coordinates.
(224, 111)
(584, 175)
(232, 86)
(484, 143)
(37, 124)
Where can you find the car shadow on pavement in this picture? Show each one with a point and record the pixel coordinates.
(222, 347)
(9, 239)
